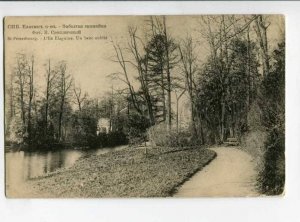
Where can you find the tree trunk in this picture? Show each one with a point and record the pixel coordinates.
(261, 30)
(12, 104)
(222, 120)
(169, 107)
(142, 71)
(248, 102)
(30, 101)
(47, 98)
(60, 119)
(163, 94)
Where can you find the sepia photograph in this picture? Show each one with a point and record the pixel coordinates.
(181, 106)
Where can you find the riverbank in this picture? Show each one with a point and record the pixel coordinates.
(125, 173)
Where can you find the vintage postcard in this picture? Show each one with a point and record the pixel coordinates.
(144, 106)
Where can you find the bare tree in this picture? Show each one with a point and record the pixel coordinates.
(23, 88)
(123, 76)
(261, 26)
(9, 101)
(64, 85)
(219, 31)
(189, 69)
(178, 97)
(168, 68)
(79, 98)
(165, 51)
(142, 68)
(50, 82)
(21, 74)
(31, 92)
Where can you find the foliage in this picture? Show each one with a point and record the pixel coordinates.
(16, 131)
(116, 139)
(159, 136)
(83, 130)
(137, 128)
(272, 176)
(224, 96)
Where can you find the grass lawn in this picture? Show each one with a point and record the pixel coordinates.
(125, 173)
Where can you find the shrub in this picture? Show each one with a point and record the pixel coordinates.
(266, 120)
(83, 131)
(253, 142)
(160, 136)
(116, 138)
(16, 131)
(272, 177)
(137, 128)
(111, 139)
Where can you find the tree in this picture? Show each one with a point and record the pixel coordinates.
(30, 100)
(189, 69)
(272, 176)
(178, 96)
(49, 92)
(261, 26)
(231, 71)
(156, 77)
(218, 40)
(171, 60)
(64, 84)
(9, 102)
(22, 87)
(21, 76)
(141, 60)
(79, 98)
(124, 77)
(162, 55)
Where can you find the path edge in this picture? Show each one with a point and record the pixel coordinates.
(174, 190)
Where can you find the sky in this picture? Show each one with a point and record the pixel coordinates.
(89, 61)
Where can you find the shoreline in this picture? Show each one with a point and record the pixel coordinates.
(123, 173)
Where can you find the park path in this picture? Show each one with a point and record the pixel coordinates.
(231, 174)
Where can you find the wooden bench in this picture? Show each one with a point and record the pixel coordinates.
(231, 142)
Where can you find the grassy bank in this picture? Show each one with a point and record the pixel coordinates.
(125, 173)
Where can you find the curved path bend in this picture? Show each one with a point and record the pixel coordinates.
(231, 174)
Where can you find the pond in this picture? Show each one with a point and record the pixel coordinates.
(21, 165)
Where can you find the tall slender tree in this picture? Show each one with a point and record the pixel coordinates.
(64, 84)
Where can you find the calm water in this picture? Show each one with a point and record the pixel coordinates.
(21, 166)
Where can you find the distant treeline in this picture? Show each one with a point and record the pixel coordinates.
(59, 114)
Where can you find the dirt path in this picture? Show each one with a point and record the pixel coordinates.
(230, 174)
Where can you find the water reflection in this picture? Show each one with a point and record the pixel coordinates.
(21, 166)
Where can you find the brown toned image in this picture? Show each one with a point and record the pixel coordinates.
(144, 106)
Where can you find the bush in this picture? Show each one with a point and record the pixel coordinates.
(83, 131)
(116, 139)
(16, 131)
(137, 128)
(111, 139)
(160, 136)
(266, 121)
(272, 177)
(253, 142)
